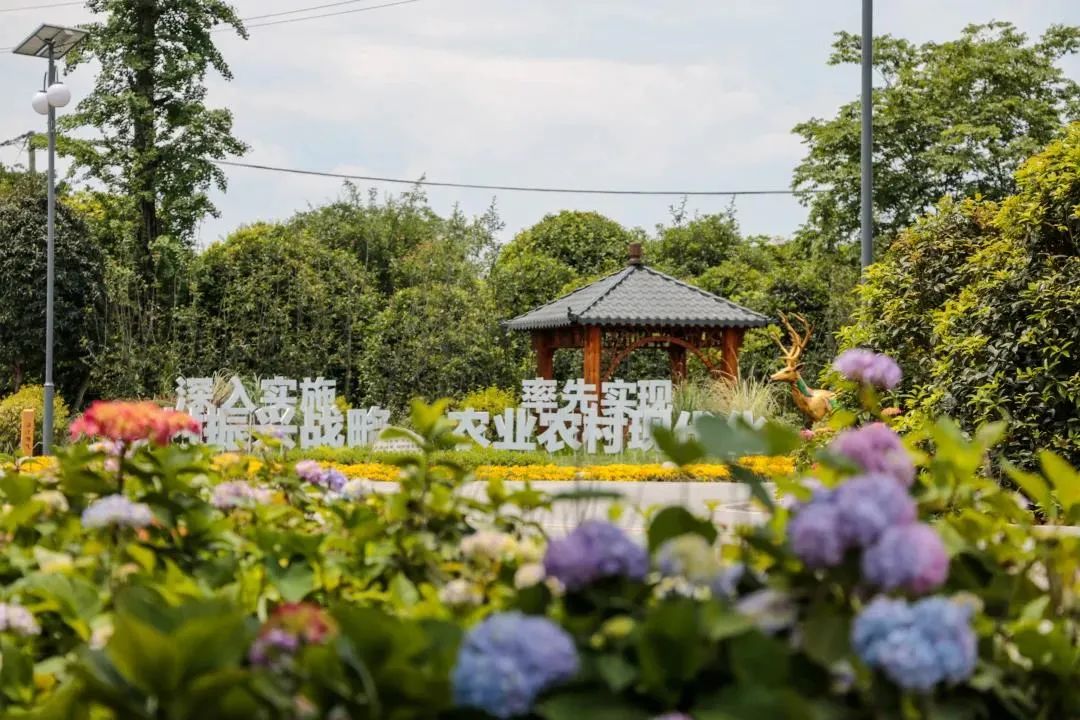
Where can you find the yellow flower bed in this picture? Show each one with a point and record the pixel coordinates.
(368, 471)
(236, 463)
(766, 466)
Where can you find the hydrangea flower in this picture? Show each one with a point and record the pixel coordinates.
(128, 422)
(237, 493)
(869, 504)
(876, 448)
(916, 645)
(290, 627)
(689, 556)
(488, 545)
(327, 478)
(909, 557)
(18, 620)
(725, 583)
(594, 550)
(459, 592)
(528, 575)
(116, 510)
(507, 660)
(815, 536)
(309, 470)
(869, 367)
(770, 609)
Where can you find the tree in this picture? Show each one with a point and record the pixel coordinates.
(78, 289)
(157, 138)
(268, 301)
(433, 341)
(586, 242)
(950, 119)
(979, 304)
(687, 249)
(401, 241)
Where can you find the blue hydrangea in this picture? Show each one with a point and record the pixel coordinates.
(506, 661)
(815, 537)
(916, 645)
(947, 626)
(869, 504)
(593, 551)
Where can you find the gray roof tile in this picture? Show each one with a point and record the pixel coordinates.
(638, 295)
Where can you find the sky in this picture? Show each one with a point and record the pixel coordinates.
(618, 94)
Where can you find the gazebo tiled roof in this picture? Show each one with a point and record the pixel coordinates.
(637, 295)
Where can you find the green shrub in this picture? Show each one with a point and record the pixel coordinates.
(979, 303)
(491, 400)
(11, 407)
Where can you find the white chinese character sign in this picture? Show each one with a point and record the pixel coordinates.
(576, 416)
(306, 414)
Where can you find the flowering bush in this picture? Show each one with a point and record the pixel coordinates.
(161, 583)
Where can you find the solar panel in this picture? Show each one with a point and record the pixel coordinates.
(59, 39)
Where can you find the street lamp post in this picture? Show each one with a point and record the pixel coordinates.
(51, 42)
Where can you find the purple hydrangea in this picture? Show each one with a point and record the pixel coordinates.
(869, 504)
(309, 470)
(909, 557)
(116, 510)
(815, 536)
(237, 493)
(916, 645)
(272, 646)
(326, 478)
(507, 660)
(869, 367)
(875, 448)
(594, 550)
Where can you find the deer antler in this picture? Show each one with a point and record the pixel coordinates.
(798, 342)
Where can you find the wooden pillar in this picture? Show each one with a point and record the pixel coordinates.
(545, 355)
(677, 358)
(593, 352)
(729, 364)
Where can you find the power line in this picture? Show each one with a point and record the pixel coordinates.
(508, 188)
(260, 17)
(326, 15)
(42, 7)
(315, 7)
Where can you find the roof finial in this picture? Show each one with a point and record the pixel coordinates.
(635, 253)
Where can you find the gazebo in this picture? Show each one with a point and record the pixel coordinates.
(638, 307)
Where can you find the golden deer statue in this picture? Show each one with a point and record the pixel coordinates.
(814, 404)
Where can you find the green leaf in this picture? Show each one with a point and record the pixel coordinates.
(590, 704)
(1033, 486)
(671, 649)
(759, 659)
(294, 582)
(671, 522)
(616, 671)
(720, 622)
(680, 452)
(826, 634)
(1065, 479)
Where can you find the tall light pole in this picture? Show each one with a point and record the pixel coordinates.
(51, 42)
(867, 184)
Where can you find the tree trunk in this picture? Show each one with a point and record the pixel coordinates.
(144, 135)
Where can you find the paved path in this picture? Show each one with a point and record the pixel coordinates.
(727, 502)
